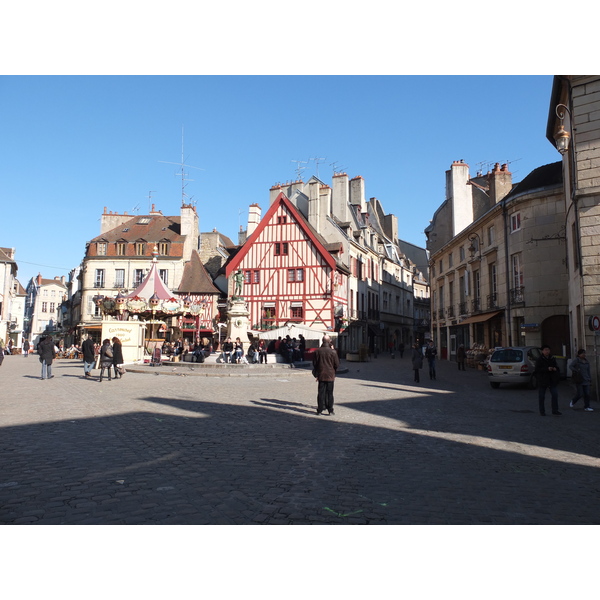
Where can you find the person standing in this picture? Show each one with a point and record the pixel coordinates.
(430, 354)
(47, 351)
(548, 375)
(460, 357)
(89, 356)
(117, 349)
(582, 377)
(262, 352)
(106, 358)
(325, 364)
(417, 361)
(26, 348)
(401, 349)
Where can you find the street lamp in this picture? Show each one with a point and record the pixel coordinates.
(562, 137)
(473, 248)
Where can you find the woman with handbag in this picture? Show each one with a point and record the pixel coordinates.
(582, 378)
(106, 358)
(117, 357)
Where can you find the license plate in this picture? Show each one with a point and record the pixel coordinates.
(505, 367)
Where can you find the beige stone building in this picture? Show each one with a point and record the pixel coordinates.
(497, 261)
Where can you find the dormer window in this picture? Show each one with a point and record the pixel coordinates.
(163, 248)
(101, 248)
(139, 248)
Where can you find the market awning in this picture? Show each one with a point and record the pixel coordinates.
(480, 318)
(294, 331)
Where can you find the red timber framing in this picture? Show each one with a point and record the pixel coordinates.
(289, 274)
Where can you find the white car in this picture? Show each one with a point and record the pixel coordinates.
(513, 365)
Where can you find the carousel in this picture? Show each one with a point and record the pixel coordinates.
(142, 318)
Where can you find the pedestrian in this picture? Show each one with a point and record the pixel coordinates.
(461, 355)
(401, 349)
(417, 361)
(325, 364)
(106, 358)
(89, 356)
(430, 354)
(582, 378)
(117, 349)
(262, 352)
(548, 375)
(47, 351)
(1, 352)
(239, 350)
(26, 347)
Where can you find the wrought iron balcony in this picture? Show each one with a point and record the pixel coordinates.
(517, 295)
(492, 301)
(476, 305)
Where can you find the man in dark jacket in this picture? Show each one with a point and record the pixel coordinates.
(47, 354)
(88, 356)
(548, 375)
(325, 364)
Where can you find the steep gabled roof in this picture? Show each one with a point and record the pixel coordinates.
(300, 220)
(195, 279)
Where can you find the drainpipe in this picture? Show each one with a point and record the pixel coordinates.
(507, 317)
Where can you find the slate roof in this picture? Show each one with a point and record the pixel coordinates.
(544, 177)
(159, 227)
(195, 279)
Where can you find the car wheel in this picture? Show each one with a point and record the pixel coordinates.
(533, 382)
(494, 384)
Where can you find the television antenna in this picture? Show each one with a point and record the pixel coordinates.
(299, 169)
(336, 168)
(317, 161)
(136, 208)
(150, 199)
(183, 173)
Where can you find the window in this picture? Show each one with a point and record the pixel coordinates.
(517, 271)
(164, 275)
(139, 248)
(99, 278)
(256, 278)
(450, 260)
(476, 282)
(515, 222)
(45, 293)
(138, 277)
(268, 312)
(281, 220)
(441, 265)
(574, 246)
(281, 249)
(461, 253)
(44, 307)
(247, 277)
(101, 248)
(295, 275)
(52, 307)
(296, 312)
(119, 278)
(121, 246)
(163, 248)
(491, 235)
(493, 283)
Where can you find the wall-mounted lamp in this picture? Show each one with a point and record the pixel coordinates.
(562, 137)
(474, 248)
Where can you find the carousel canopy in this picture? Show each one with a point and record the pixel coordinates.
(294, 331)
(152, 285)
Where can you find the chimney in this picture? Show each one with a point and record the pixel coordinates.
(340, 197)
(189, 229)
(254, 213)
(390, 227)
(39, 279)
(460, 195)
(314, 205)
(357, 193)
(500, 182)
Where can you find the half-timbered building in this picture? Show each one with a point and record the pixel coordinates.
(290, 272)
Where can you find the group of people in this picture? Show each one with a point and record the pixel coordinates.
(110, 357)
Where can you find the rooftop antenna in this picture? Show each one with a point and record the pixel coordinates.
(317, 161)
(136, 208)
(183, 173)
(150, 200)
(299, 169)
(336, 168)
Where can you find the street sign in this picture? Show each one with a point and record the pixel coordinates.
(594, 323)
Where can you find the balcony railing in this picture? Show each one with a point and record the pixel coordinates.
(450, 312)
(462, 308)
(476, 305)
(492, 301)
(441, 313)
(517, 295)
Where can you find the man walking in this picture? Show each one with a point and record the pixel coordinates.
(47, 352)
(430, 354)
(26, 348)
(548, 375)
(325, 364)
(582, 377)
(89, 357)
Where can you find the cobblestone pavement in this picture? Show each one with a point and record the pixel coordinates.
(157, 447)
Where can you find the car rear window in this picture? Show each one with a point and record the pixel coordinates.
(507, 355)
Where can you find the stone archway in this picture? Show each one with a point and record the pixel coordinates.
(555, 333)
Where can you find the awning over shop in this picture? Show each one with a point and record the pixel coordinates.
(480, 318)
(294, 331)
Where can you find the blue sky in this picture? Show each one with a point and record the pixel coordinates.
(75, 144)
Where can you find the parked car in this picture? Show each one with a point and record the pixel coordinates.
(513, 365)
